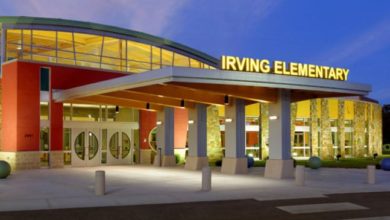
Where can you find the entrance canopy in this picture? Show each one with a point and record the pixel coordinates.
(184, 87)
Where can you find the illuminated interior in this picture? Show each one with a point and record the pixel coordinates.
(91, 50)
(347, 136)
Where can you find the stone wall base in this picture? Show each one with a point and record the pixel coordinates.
(279, 169)
(168, 161)
(22, 159)
(56, 159)
(234, 165)
(146, 156)
(196, 163)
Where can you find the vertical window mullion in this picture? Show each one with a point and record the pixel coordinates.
(74, 49)
(151, 58)
(160, 58)
(56, 47)
(101, 53)
(126, 56)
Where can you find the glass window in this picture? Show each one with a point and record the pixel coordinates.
(27, 45)
(65, 41)
(139, 57)
(252, 120)
(301, 144)
(112, 54)
(44, 46)
(111, 113)
(79, 146)
(44, 39)
(114, 145)
(181, 60)
(44, 146)
(335, 139)
(67, 108)
(194, 63)
(65, 51)
(104, 139)
(44, 112)
(125, 145)
(93, 145)
(44, 139)
(85, 112)
(156, 58)
(167, 57)
(44, 79)
(67, 139)
(348, 139)
(14, 44)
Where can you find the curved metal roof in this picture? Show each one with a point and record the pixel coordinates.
(23, 20)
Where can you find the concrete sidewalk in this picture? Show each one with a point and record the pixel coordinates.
(131, 185)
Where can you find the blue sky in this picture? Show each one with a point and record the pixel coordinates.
(354, 34)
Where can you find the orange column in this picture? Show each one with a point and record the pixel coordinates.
(180, 128)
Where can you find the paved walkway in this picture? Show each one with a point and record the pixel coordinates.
(134, 185)
(360, 206)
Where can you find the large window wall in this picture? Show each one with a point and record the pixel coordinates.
(93, 113)
(90, 50)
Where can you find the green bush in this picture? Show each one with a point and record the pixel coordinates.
(179, 159)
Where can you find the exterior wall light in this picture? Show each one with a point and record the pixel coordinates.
(273, 117)
(117, 109)
(226, 100)
(191, 122)
(182, 103)
(228, 120)
(159, 123)
(147, 105)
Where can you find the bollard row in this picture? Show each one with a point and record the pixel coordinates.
(206, 179)
(300, 175)
(100, 183)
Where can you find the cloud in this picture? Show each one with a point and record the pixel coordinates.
(368, 42)
(149, 16)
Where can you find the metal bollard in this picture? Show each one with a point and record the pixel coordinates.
(300, 175)
(371, 174)
(206, 179)
(100, 182)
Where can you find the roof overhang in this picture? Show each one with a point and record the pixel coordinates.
(166, 85)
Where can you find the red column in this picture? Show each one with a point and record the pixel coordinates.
(20, 103)
(56, 126)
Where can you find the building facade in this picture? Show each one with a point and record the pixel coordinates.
(83, 94)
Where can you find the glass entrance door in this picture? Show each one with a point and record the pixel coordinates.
(120, 150)
(85, 147)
